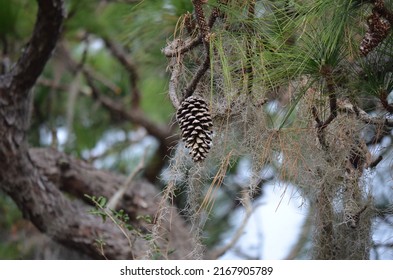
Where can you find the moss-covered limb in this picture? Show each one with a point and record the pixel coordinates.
(324, 239)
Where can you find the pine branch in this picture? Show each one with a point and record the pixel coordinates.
(135, 115)
(189, 90)
(249, 48)
(326, 72)
(176, 65)
(383, 96)
(190, 43)
(124, 59)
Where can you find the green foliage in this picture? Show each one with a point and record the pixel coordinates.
(10, 216)
(15, 21)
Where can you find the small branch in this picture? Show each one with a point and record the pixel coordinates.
(176, 64)
(118, 195)
(240, 230)
(189, 44)
(189, 90)
(315, 115)
(121, 55)
(326, 72)
(345, 106)
(383, 245)
(320, 132)
(249, 48)
(374, 163)
(135, 115)
(383, 98)
(54, 85)
(77, 178)
(302, 239)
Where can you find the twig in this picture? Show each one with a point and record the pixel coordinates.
(320, 133)
(114, 200)
(135, 115)
(383, 96)
(176, 63)
(204, 31)
(121, 55)
(240, 230)
(345, 106)
(189, 44)
(110, 215)
(189, 90)
(374, 163)
(249, 48)
(302, 239)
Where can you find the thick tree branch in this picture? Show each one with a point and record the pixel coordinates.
(78, 178)
(39, 49)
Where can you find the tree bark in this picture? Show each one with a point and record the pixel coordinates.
(34, 180)
(78, 178)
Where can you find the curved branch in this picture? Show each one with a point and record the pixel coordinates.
(121, 55)
(46, 32)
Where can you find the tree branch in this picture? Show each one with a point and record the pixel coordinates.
(176, 65)
(39, 49)
(78, 178)
(326, 72)
(189, 44)
(189, 90)
(121, 55)
(135, 115)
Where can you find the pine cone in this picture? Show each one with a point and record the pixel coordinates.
(378, 30)
(195, 123)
